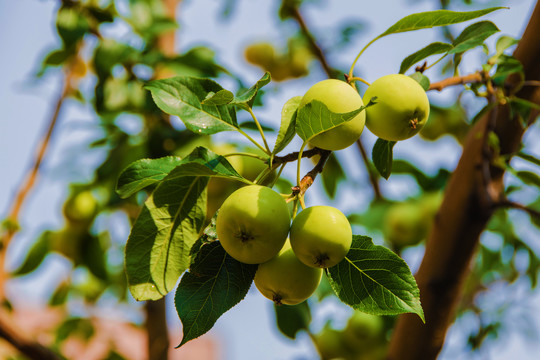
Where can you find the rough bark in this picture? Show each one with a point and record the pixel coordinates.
(469, 201)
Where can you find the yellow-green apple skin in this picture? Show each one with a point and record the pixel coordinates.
(339, 97)
(286, 280)
(401, 109)
(321, 236)
(253, 224)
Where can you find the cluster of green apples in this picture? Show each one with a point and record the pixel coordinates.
(254, 227)
(401, 109)
(290, 64)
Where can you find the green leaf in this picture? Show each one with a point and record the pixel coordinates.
(431, 49)
(222, 97)
(429, 19)
(506, 65)
(35, 255)
(203, 162)
(503, 43)
(247, 98)
(382, 157)
(214, 284)
(158, 248)
(374, 280)
(530, 158)
(315, 118)
(333, 173)
(288, 123)
(143, 173)
(292, 318)
(183, 96)
(529, 178)
(72, 25)
(422, 79)
(473, 36)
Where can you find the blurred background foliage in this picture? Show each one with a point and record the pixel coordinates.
(107, 72)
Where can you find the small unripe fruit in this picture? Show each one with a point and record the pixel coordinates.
(253, 224)
(401, 109)
(261, 54)
(339, 97)
(321, 236)
(286, 280)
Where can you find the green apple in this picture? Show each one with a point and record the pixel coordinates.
(261, 54)
(363, 329)
(253, 224)
(401, 109)
(80, 208)
(286, 280)
(404, 224)
(330, 345)
(339, 97)
(321, 236)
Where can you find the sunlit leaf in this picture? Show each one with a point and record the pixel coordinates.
(374, 280)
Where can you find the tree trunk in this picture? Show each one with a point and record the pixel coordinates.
(470, 200)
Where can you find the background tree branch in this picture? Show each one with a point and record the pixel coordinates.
(462, 217)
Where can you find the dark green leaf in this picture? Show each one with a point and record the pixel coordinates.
(431, 49)
(374, 280)
(529, 178)
(143, 173)
(182, 96)
(315, 118)
(473, 36)
(530, 158)
(382, 156)
(506, 65)
(60, 295)
(35, 256)
(292, 318)
(332, 175)
(222, 97)
(422, 79)
(247, 98)
(93, 256)
(288, 123)
(431, 19)
(522, 109)
(426, 182)
(214, 284)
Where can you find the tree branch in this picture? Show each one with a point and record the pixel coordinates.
(373, 177)
(476, 77)
(278, 160)
(309, 178)
(30, 179)
(27, 347)
(515, 205)
(462, 218)
(315, 48)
